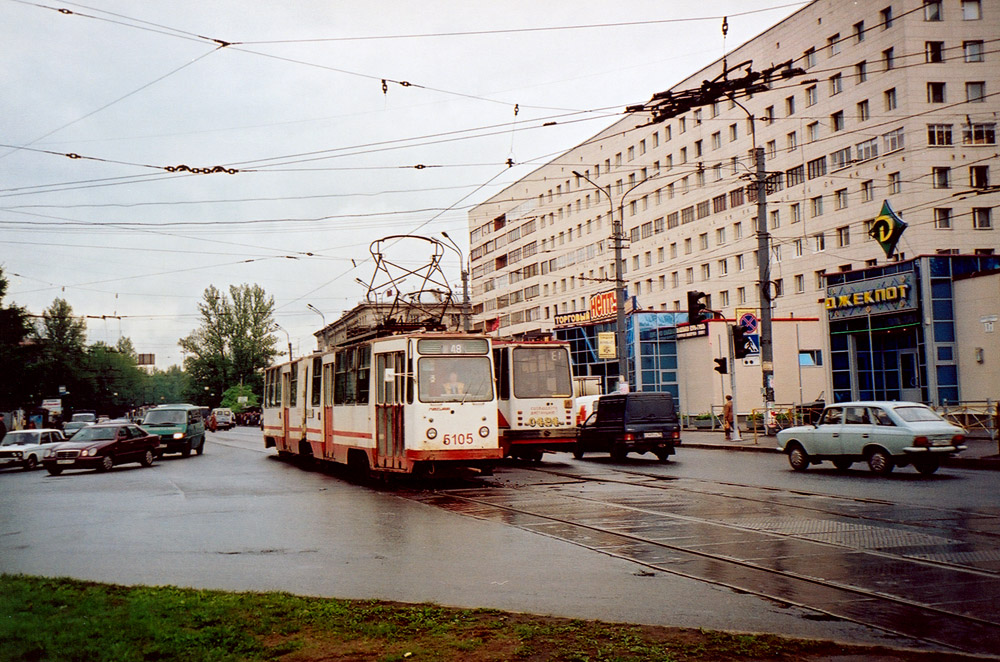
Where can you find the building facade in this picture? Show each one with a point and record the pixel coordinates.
(898, 103)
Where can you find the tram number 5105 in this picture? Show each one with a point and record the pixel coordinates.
(458, 439)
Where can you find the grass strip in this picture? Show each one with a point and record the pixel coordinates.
(70, 620)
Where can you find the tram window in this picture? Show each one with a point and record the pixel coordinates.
(455, 379)
(317, 381)
(501, 366)
(293, 385)
(541, 372)
(352, 375)
(328, 384)
(363, 374)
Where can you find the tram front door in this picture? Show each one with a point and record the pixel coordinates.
(390, 393)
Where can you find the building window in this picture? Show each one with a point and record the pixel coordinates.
(836, 84)
(864, 114)
(867, 150)
(889, 97)
(861, 71)
(843, 236)
(723, 266)
(895, 183)
(982, 218)
(800, 284)
(810, 56)
(942, 218)
(867, 191)
(975, 92)
(796, 212)
(888, 60)
(979, 176)
(979, 134)
(741, 294)
(972, 10)
(816, 205)
(935, 92)
(812, 132)
(816, 167)
(811, 95)
(892, 141)
(792, 141)
(859, 32)
(840, 159)
(833, 43)
(941, 177)
(932, 10)
(789, 105)
(734, 132)
(939, 135)
(841, 197)
(775, 219)
(973, 51)
(837, 121)
(886, 15)
(934, 51)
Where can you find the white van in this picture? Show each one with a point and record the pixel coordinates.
(224, 418)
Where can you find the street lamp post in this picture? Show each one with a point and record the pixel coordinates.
(617, 235)
(287, 337)
(465, 281)
(318, 312)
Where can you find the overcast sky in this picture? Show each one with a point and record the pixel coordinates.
(290, 96)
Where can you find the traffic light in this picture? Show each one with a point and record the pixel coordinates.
(697, 309)
(740, 349)
(721, 367)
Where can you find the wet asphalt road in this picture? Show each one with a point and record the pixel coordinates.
(237, 518)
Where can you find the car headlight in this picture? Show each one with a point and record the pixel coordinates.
(17, 453)
(178, 435)
(90, 452)
(432, 433)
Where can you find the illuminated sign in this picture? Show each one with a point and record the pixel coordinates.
(867, 297)
(568, 319)
(603, 305)
(887, 228)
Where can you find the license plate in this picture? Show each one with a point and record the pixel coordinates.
(653, 435)
(65, 461)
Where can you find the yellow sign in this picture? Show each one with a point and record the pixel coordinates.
(606, 345)
(867, 297)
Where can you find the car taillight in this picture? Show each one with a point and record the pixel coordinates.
(629, 436)
(676, 434)
(921, 441)
(958, 439)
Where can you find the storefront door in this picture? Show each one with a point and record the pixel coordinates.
(909, 377)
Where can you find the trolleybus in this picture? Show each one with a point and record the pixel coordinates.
(408, 403)
(535, 397)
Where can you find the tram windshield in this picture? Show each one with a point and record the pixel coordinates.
(541, 372)
(455, 379)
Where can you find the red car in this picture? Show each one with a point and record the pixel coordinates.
(101, 447)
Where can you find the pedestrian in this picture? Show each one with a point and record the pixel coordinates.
(727, 417)
(213, 424)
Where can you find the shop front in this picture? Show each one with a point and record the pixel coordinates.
(893, 329)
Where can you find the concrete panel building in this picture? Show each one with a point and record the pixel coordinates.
(898, 103)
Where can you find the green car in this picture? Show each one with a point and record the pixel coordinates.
(181, 428)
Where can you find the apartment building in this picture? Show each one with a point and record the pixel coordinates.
(898, 104)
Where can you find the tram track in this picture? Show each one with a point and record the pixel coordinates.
(781, 545)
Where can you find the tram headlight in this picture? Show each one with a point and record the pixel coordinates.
(432, 433)
(484, 431)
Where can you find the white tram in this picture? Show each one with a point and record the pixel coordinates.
(535, 393)
(409, 403)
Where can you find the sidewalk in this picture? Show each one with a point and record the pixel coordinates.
(982, 452)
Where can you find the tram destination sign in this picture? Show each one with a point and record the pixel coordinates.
(874, 296)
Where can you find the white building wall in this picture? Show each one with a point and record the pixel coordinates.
(555, 251)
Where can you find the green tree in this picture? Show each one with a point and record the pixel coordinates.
(18, 384)
(117, 383)
(234, 342)
(231, 398)
(167, 387)
(61, 338)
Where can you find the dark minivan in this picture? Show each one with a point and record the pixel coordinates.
(625, 423)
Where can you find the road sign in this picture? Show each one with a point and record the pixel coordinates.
(749, 322)
(753, 343)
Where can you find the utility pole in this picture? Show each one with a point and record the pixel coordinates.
(466, 325)
(618, 236)
(764, 276)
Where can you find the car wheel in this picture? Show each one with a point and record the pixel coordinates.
(31, 463)
(618, 453)
(842, 465)
(147, 459)
(186, 452)
(662, 455)
(880, 462)
(927, 465)
(578, 451)
(106, 463)
(798, 458)
(201, 445)
(55, 471)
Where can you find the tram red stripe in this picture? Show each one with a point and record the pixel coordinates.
(351, 434)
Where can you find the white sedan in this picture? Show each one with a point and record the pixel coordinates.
(883, 434)
(25, 448)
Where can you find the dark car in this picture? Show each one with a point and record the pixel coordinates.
(179, 427)
(625, 423)
(101, 447)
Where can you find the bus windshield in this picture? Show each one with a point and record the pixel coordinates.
(455, 379)
(541, 372)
